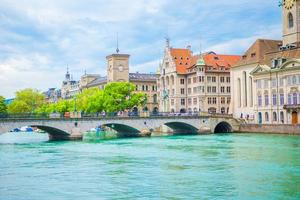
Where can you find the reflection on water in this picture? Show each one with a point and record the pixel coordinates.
(23, 138)
(182, 167)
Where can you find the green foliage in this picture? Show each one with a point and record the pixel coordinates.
(3, 107)
(26, 101)
(115, 97)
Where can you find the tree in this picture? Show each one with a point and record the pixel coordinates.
(3, 107)
(26, 101)
(121, 96)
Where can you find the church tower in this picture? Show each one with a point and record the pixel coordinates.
(118, 68)
(291, 21)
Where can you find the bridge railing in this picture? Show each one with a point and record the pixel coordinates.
(81, 115)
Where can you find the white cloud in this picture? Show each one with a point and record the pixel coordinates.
(39, 38)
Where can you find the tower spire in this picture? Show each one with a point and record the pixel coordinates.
(117, 50)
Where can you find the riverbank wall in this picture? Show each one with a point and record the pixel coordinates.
(270, 128)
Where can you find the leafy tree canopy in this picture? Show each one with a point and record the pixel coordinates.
(3, 107)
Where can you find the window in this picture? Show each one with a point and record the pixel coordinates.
(281, 99)
(289, 80)
(195, 90)
(208, 89)
(295, 99)
(208, 79)
(182, 81)
(228, 100)
(189, 101)
(213, 79)
(294, 80)
(266, 117)
(282, 117)
(228, 79)
(146, 87)
(214, 89)
(274, 83)
(195, 80)
(189, 90)
(266, 100)
(189, 81)
(266, 83)
(290, 99)
(209, 101)
(291, 20)
(143, 88)
(172, 102)
(222, 79)
(258, 83)
(222, 89)
(136, 87)
(274, 117)
(182, 101)
(228, 89)
(281, 82)
(222, 100)
(214, 100)
(274, 99)
(182, 91)
(259, 101)
(173, 91)
(195, 101)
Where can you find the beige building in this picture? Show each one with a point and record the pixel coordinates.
(195, 83)
(265, 82)
(70, 87)
(118, 71)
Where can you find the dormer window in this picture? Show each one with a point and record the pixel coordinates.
(216, 58)
(244, 56)
(253, 55)
(175, 58)
(181, 58)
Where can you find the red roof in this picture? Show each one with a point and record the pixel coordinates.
(184, 59)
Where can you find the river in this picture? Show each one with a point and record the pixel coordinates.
(237, 166)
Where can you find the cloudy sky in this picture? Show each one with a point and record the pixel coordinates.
(40, 38)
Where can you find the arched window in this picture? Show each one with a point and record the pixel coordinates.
(282, 117)
(291, 20)
(266, 117)
(274, 117)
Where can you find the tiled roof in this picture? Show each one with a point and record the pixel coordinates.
(142, 77)
(258, 50)
(182, 59)
(216, 61)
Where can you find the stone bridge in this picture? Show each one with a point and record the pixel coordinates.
(68, 129)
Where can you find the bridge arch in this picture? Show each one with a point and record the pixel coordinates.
(123, 130)
(223, 127)
(182, 128)
(54, 133)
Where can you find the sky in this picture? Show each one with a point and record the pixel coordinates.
(39, 39)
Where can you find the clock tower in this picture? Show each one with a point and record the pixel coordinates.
(291, 22)
(118, 68)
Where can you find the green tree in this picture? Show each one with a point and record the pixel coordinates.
(121, 96)
(26, 101)
(3, 107)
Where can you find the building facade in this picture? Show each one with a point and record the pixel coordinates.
(265, 82)
(70, 87)
(118, 71)
(195, 83)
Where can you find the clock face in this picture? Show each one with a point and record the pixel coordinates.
(288, 4)
(121, 68)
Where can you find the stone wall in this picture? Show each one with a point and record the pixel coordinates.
(270, 128)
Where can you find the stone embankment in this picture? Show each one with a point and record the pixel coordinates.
(270, 128)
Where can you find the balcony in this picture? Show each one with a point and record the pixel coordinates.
(291, 106)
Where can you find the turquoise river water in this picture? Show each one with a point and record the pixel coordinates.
(237, 166)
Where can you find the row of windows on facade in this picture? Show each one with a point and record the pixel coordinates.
(210, 79)
(210, 101)
(201, 89)
(145, 88)
(274, 117)
(292, 99)
(291, 80)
